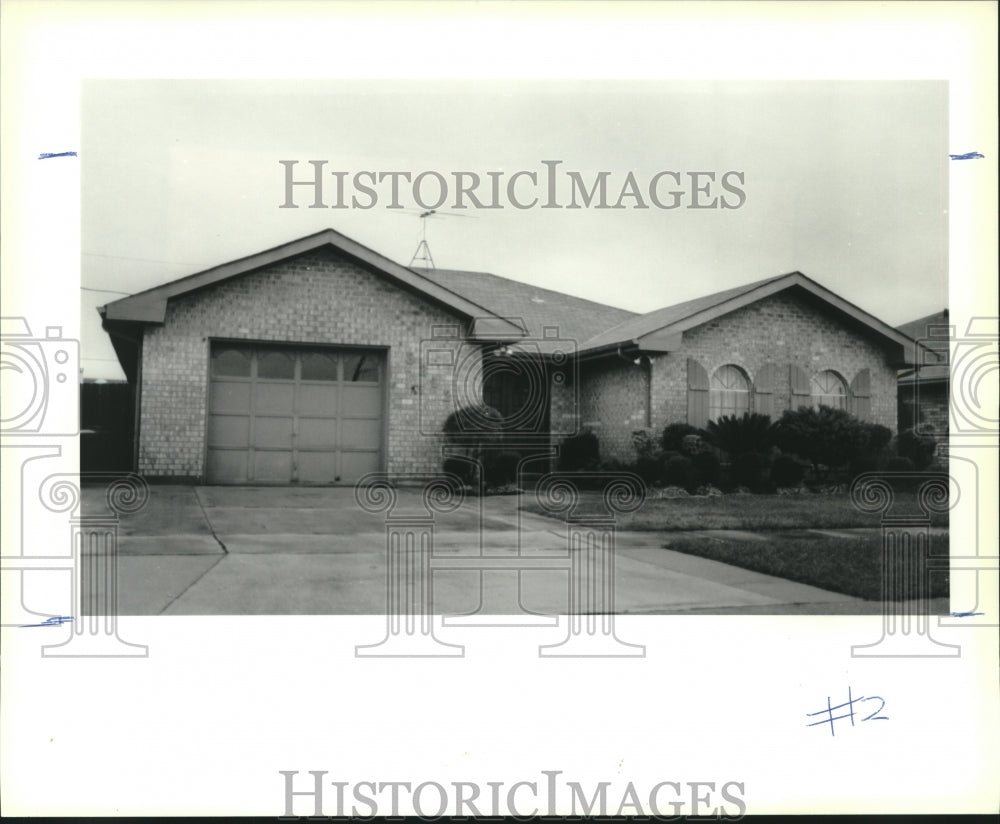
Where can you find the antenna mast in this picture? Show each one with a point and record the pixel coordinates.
(423, 253)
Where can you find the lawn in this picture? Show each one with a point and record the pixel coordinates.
(754, 513)
(852, 566)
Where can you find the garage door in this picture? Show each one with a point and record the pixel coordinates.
(280, 415)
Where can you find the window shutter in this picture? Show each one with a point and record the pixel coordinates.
(861, 395)
(763, 389)
(697, 385)
(798, 380)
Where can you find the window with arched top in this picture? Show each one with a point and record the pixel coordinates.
(829, 389)
(728, 392)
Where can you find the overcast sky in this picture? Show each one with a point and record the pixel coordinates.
(844, 181)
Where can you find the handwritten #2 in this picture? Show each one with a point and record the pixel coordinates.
(849, 711)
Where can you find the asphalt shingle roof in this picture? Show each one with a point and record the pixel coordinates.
(640, 325)
(577, 319)
(919, 329)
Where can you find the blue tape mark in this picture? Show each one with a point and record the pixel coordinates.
(965, 614)
(967, 156)
(54, 621)
(47, 155)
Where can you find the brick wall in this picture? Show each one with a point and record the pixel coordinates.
(320, 297)
(926, 408)
(613, 402)
(782, 329)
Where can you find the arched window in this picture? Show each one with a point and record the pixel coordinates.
(829, 389)
(728, 393)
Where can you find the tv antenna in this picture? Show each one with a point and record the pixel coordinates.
(422, 256)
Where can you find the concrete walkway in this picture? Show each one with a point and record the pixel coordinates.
(309, 551)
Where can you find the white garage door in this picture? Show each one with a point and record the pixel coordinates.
(280, 415)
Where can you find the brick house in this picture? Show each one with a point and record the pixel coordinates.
(320, 360)
(923, 389)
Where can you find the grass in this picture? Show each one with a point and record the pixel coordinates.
(753, 513)
(852, 566)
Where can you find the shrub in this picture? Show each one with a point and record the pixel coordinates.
(899, 464)
(644, 444)
(579, 452)
(648, 468)
(706, 468)
(677, 471)
(500, 467)
(864, 463)
(692, 444)
(750, 432)
(674, 434)
(873, 438)
(474, 424)
(824, 436)
(465, 470)
(918, 448)
(748, 469)
(786, 471)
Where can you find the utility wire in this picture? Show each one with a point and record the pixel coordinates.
(113, 291)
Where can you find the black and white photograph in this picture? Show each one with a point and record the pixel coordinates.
(380, 370)
(724, 300)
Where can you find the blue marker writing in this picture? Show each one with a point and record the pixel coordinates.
(54, 621)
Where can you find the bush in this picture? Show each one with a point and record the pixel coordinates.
(918, 448)
(579, 452)
(706, 468)
(864, 463)
(748, 469)
(473, 425)
(500, 467)
(750, 432)
(465, 470)
(899, 464)
(673, 436)
(786, 471)
(873, 438)
(824, 436)
(648, 468)
(677, 471)
(644, 444)
(692, 444)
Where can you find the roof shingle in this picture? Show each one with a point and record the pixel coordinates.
(576, 319)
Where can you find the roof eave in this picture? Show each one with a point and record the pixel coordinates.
(906, 354)
(150, 305)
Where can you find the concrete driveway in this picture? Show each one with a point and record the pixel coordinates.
(314, 551)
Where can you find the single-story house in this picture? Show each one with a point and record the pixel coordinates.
(923, 388)
(320, 360)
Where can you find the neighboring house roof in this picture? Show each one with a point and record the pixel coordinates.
(661, 329)
(150, 306)
(575, 319)
(934, 333)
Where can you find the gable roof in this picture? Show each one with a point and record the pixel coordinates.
(932, 332)
(661, 329)
(150, 306)
(576, 319)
